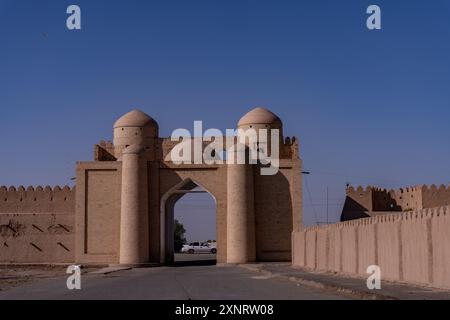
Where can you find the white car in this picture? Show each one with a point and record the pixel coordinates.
(199, 247)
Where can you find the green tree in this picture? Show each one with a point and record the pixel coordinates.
(179, 238)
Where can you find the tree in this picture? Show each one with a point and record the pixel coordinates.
(179, 238)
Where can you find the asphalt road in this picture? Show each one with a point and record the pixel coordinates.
(169, 283)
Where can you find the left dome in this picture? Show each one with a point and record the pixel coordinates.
(135, 118)
(135, 127)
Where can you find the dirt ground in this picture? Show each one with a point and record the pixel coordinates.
(16, 275)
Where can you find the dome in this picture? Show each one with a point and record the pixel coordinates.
(259, 116)
(135, 118)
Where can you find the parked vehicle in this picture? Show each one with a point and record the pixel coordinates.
(199, 247)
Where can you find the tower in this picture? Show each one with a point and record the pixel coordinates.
(241, 238)
(136, 127)
(135, 136)
(257, 120)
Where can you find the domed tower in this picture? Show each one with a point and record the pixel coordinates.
(261, 118)
(241, 238)
(257, 119)
(135, 127)
(135, 141)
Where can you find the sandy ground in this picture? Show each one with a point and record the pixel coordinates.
(17, 275)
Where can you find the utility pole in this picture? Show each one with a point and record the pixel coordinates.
(327, 204)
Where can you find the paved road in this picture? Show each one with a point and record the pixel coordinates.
(187, 282)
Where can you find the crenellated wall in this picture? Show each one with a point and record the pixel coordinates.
(434, 196)
(37, 200)
(366, 202)
(409, 198)
(37, 225)
(362, 196)
(288, 149)
(409, 246)
(104, 151)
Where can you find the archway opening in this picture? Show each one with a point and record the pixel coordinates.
(190, 226)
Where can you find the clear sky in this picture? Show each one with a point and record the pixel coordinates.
(196, 211)
(369, 107)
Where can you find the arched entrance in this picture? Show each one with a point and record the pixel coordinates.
(168, 202)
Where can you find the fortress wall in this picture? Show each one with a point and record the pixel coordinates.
(435, 196)
(388, 245)
(440, 242)
(37, 200)
(334, 253)
(322, 249)
(408, 247)
(415, 250)
(37, 224)
(376, 199)
(409, 198)
(349, 249)
(298, 255)
(311, 250)
(366, 243)
(37, 238)
(403, 199)
(385, 200)
(361, 196)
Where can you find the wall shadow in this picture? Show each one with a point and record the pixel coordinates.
(353, 210)
(192, 263)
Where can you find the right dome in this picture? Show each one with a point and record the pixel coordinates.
(260, 116)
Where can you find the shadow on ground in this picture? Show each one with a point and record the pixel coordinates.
(187, 260)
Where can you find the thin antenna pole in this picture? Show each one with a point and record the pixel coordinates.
(327, 204)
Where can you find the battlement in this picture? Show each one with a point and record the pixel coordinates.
(289, 149)
(413, 215)
(37, 199)
(433, 188)
(290, 141)
(359, 189)
(106, 144)
(433, 195)
(359, 199)
(104, 151)
(409, 189)
(361, 202)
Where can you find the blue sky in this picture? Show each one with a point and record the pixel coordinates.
(369, 107)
